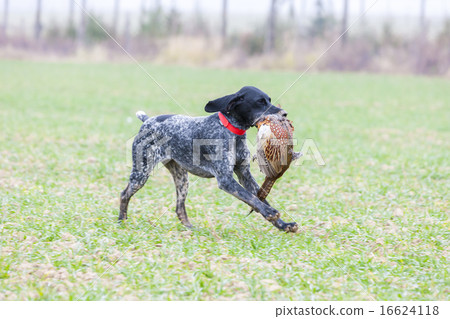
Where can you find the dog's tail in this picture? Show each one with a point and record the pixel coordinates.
(142, 116)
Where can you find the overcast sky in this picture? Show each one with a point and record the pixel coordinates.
(22, 11)
(397, 7)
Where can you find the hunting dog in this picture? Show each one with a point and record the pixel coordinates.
(208, 146)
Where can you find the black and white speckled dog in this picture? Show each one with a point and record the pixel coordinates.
(209, 146)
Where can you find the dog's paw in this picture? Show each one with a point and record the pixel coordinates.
(189, 226)
(272, 215)
(291, 228)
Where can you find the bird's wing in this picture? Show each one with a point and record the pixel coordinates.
(264, 151)
(268, 154)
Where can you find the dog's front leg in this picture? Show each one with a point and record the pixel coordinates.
(250, 184)
(247, 180)
(287, 227)
(231, 186)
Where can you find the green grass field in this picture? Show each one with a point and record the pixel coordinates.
(374, 219)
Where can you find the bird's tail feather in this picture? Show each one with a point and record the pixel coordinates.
(264, 190)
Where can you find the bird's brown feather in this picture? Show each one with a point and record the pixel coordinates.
(275, 150)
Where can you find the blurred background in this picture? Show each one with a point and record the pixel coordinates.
(397, 36)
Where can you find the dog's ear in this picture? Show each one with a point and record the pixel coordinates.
(224, 104)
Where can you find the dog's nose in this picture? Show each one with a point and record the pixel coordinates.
(283, 113)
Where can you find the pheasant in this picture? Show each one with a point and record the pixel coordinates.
(275, 150)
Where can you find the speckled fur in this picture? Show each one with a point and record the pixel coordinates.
(170, 139)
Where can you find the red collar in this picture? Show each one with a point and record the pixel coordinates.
(229, 126)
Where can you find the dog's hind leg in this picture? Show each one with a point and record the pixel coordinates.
(146, 155)
(180, 178)
(137, 180)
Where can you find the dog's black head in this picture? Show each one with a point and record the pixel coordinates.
(247, 106)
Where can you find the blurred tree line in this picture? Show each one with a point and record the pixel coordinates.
(281, 41)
